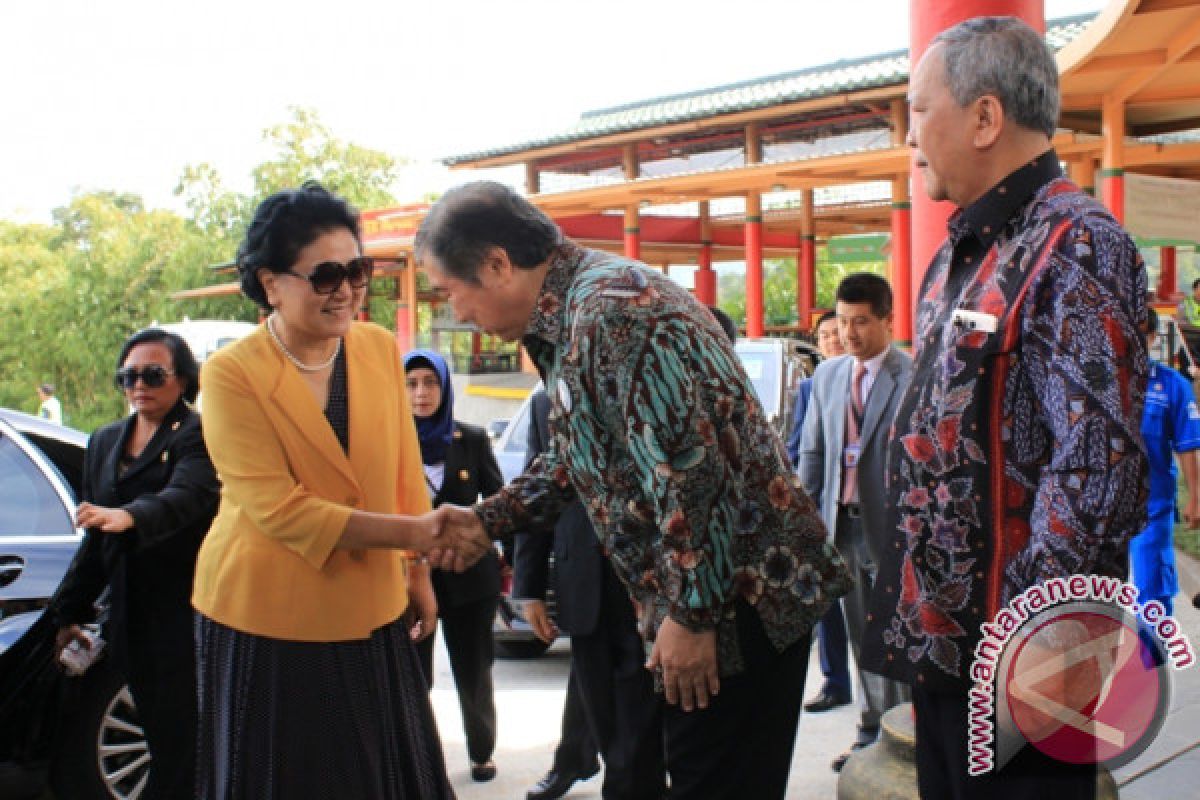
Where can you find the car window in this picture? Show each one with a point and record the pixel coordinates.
(29, 503)
(764, 377)
(517, 441)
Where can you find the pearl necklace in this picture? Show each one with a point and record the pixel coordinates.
(300, 365)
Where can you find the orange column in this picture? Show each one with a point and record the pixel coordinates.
(1112, 172)
(533, 178)
(1167, 282)
(753, 241)
(406, 307)
(901, 262)
(1083, 174)
(928, 19)
(806, 263)
(706, 278)
(754, 266)
(900, 267)
(633, 232)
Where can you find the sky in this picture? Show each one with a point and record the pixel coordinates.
(123, 94)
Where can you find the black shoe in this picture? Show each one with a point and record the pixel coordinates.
(482, 773)
(556, 784)
(839, 762)
(826, 700)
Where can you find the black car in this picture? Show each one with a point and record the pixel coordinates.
(80, 735)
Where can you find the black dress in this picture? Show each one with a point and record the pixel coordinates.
(170, 489)
(348, 720)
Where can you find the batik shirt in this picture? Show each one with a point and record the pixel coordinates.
(1016, 455)
(655, 427)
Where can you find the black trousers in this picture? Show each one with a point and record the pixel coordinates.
(163, 685)
(576, 752)
(467, 630)
(624, 713)
(942, 736)
(740, 747)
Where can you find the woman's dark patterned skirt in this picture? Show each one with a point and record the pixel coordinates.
(310, 720)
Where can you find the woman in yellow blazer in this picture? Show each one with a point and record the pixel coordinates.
(308, 680)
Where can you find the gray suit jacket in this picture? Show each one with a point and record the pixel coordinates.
(823, 438)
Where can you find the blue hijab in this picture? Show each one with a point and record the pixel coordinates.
(437, 431)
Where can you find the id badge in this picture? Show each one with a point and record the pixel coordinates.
(850, 456)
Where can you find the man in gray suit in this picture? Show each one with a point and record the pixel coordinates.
(843, 450)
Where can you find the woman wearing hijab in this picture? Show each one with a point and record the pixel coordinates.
(459, 469)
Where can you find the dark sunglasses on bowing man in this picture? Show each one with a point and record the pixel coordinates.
(153, 376)
(327, 277)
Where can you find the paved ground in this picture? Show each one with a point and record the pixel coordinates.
(530, 695)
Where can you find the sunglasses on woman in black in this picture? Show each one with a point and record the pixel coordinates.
(327, 277)
(153, 376)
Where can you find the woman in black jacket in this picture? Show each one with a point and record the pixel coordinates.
(149, 494)
(459, 468)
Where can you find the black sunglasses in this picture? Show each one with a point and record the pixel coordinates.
(153, 376)
(327, 277)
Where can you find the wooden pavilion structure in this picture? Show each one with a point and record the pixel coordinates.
(769, 167)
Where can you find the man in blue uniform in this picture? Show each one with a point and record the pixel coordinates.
(1170, 424)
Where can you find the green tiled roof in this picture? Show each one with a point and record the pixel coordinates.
(888, 69)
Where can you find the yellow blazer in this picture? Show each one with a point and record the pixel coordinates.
(269, 565)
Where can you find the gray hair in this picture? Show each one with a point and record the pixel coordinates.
(1003, 57)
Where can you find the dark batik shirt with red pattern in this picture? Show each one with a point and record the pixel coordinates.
(1016, 456)
(655, 426)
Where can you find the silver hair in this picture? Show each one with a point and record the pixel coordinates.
(1003, 57)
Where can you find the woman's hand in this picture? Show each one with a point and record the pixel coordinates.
(422, 600)
(108, 520)
(67, 634)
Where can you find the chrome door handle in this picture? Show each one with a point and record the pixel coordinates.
(11, 568)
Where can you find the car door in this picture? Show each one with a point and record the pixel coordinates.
(38, 537)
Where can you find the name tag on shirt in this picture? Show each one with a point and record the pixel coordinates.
(850, 456)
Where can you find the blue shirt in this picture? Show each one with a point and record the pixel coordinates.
(803, 392)
(1170, 423)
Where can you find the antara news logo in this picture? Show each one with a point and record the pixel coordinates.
(1077, 668)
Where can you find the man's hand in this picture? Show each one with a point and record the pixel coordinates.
(688, 662)
(539, 618)
(459, 538)
(423, 601)
(1191, 513)
(108, 520)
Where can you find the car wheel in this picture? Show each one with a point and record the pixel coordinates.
(522, 649)
(102, 754)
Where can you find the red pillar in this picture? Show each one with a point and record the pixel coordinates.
(633, 234)
(1168, 284)
(806, 263)
(806, 279)
(404, 333)
(754, 266)
(901, 269)
(1113, 194)
(706, 278)
(928, 19)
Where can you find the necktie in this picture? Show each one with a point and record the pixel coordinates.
(854, 415)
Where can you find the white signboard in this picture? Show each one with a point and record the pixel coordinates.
(1162, 208)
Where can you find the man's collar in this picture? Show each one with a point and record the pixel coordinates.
(547, 321)
(987, 216)
(873, 364)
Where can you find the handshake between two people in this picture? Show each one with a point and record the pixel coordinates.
(454, 538)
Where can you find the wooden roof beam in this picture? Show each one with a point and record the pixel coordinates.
(1172, 126)
(882, 94)
(1178, 46)
(1124, 61)
(1143, 155)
